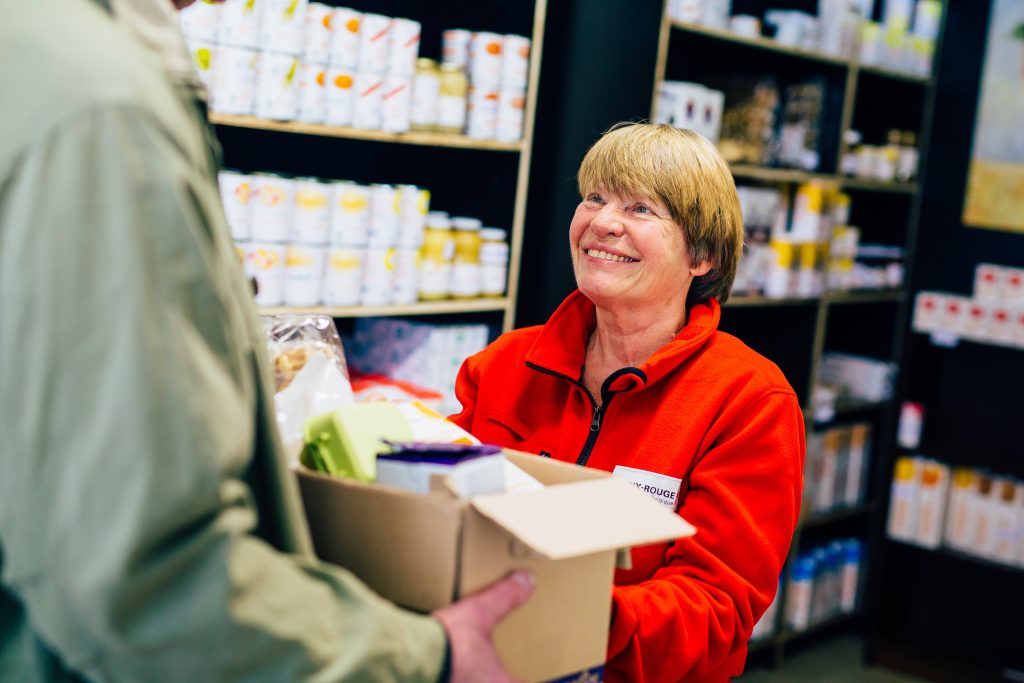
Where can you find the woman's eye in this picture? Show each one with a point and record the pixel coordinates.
(596, 198)
(640, 208)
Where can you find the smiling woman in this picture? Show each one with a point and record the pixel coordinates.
(632, 376)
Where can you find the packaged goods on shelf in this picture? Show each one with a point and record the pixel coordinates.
(309, 241)
(748, 123)
(424, 354)
(836, 468)
(759, 207)
(824, 582)
(799, 136)
(858, 378)
(896, 160)
(993, 315)
(970, 510)
(713, 13)
(691, 106)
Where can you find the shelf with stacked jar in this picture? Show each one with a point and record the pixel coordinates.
(828, 184)
(376, 155)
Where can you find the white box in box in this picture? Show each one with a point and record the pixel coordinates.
(1013, 287)
(953, 314)
(709, 113)
(927, 311)
(1001, 326)
(424, 551)
(988, 282)
(977, 322)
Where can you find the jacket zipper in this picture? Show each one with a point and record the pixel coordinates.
(596, 418)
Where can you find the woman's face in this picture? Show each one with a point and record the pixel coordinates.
(628, 251)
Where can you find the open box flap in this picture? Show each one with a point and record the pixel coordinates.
(584, 517)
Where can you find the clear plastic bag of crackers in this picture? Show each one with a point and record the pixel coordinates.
(310, 373)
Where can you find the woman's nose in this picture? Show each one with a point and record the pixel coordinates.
(608, 221)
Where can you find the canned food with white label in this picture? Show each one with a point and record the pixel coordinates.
(455, 47)
(204, 55)
(233, 88)
(201, 21)
(340, 96)
(511, 112)
(265, 264)
(406, 277)
(384, 215)
(273, 207)
(319, 33)
(426, 90)
(304, 275)
(396, 103)
(277, 86)
(311, 222)
(378, 277)
(369, 102)
(482, 121)
(414, 204)
(350, 214)
(343, 277)
(485, 57)
(312, 93)
(374, 42)
(515, 62)
(405, 46)
(345, 43)
(240, 23)
(236, 195)
(283, 26)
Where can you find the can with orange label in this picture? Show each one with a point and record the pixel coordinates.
(515, 62)
(485, 57)
(482, 116)
(345, 43)
(312, 93)
(340, 96)
(319, 33)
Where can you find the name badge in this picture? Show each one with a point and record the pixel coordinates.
(661, 487)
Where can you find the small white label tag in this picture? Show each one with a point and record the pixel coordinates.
(661, 487)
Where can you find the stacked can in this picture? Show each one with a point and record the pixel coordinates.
(316, 56)
(497, 66)
(282, 44)
(272, 210)
(307, 245)
(200, 24)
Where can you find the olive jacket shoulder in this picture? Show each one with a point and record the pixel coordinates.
(706, 425)
(150, 529)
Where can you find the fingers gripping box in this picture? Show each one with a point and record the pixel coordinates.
(425, 551)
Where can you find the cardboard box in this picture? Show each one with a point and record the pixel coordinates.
(424, 551)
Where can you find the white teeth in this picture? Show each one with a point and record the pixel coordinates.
(605, 256)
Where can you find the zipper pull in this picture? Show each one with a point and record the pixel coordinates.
(595, 422)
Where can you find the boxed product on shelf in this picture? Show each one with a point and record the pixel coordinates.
(859, 378)
(824, 582)
(969, 510)
(691, 106)
(748, 123)
(421, 353)
(440, 547)
(835, 475)
(993, 315)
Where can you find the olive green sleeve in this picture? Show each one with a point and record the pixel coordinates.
(127, 430)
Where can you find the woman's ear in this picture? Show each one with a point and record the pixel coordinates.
(701, 268)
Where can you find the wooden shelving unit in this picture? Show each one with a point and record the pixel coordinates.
(410, 138)
(813, 325)
(348, 150)
(422, 308)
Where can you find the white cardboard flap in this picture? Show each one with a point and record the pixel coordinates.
(584, 517)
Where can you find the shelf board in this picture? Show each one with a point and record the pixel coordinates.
(877, 185)
(895, 74)
(864, 297)
(832, 622)
(423, 308)
(761, 43)
(778, 175)
(756, 300)
(961, 556)
(821, 519)
(411, 138)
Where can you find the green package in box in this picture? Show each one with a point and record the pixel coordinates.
(345, 442)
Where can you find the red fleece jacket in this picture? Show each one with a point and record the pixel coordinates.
(704, 409)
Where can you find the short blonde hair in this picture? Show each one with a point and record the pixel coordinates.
(684, 170)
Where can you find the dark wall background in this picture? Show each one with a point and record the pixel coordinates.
(937, 614)
(598, 68)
